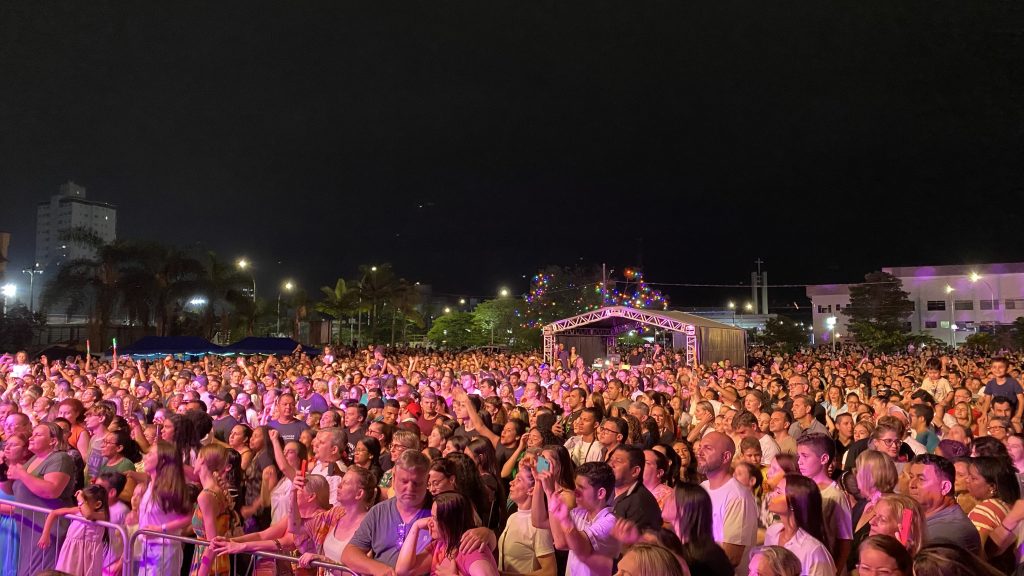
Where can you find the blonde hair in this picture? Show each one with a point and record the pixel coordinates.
(899, 503)
(782, 561)
(655, 560)
(878, 468)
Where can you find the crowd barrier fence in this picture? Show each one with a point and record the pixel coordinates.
(33, 518)
(136, 571)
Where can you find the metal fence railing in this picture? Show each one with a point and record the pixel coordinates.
(168, 544)
(21, 528)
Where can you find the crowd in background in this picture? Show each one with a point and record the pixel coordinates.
(408, 462)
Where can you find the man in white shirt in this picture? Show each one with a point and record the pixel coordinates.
(585, 447)
(734, 512)
(745, 425)
(586, 531)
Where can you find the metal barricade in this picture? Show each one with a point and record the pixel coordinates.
(151, 535)
(28, 520)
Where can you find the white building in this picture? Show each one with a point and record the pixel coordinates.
(950, 302)
(70, 209)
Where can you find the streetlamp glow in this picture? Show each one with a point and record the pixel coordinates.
(731, 305)
(373, 268)
(950, 289)
(462, 301)
(8, 291)
(748, 306)
(243, 263)
(287, 287)
(447, 310)
(974, 276)
(503, 292)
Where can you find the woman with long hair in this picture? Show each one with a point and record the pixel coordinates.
(238, 440)
(469, 483)
(876, 475)
(120, 453)
(214, 511)
(324, 535)
(15, 453)
(481, 451)
(366, 455)
(313, 497)
(165, 507)
(692, 522)
(992, 482)
(259, 477)
(687, 463)
(656, 478)
(451, 516)
(800, 529)
(888, 521)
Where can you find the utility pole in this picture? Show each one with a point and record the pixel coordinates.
(604, 284)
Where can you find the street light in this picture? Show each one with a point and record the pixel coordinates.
(447, 310)
(748, 306)
(243, 265)
(503, 292)
(830, 323)
(462, 301)
(732, 306)
(8, 291)
(287, 288)
(975, 278)
(952, 333)
(31, 285)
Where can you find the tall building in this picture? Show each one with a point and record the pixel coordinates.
(66, 210)
(950, 302)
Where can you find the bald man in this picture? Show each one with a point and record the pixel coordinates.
(734, 512)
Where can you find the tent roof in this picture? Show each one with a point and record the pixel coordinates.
(614, 317)
(163, 345)
(257, 345)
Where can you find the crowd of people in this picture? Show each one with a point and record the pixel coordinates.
(407, 462)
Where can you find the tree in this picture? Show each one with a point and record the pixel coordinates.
(878, 312)
(456, 330)
(499, 317)
(18, 328)
(339, 302)
(783, 333)
(558, 292)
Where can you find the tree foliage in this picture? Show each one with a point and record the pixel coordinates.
(878, 312)
(457, 330)
(783, 333)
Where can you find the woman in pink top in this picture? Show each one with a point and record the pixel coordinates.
(450, 517)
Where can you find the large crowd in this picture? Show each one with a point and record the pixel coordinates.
(407, 462)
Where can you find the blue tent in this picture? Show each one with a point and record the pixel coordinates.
(277, 346)
(153, 346)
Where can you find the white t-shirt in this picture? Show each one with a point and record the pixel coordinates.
(734, 517)
(599, 532)
(769, 450)
(814, 558)
(332, 481)
(521, 544)
(838, 519)
(939, 389)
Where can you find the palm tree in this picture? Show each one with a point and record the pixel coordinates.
(157, 283)
(405, 301)
(340, 302)
(222, 287)
(95, 281)
(377, 285)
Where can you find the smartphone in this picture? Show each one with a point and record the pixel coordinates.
(542, 464)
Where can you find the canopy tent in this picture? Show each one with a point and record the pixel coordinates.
(256, 345)
(154, 346)
(594, 334)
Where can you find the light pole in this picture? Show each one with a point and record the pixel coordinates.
(243, 264)
(975, 278)
(31, 286)
(287, 288)
(8, 290)
(952, 329)
(830, 322)
(732, 308)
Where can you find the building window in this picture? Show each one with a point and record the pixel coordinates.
(936, 305)
(931, 324)
(989, 304)
(963, 305)
(1015, 303)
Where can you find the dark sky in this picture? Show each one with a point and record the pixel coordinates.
(470, 143)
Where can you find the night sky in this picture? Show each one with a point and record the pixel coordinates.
(470, 143)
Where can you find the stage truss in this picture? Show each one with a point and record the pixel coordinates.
(575, 326)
